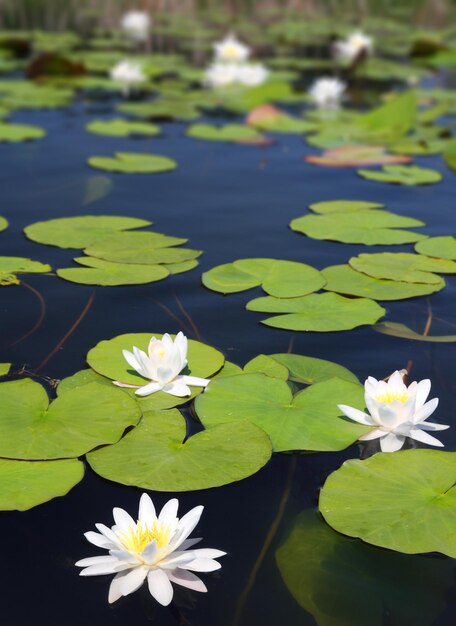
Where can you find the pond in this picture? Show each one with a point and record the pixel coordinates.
(231, 201)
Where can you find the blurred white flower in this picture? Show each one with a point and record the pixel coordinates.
(155, 547)
(348, 49)
(221, 74)
(128, 73)
(231, 50)
(162, 365)
(252, 74)
(397, 412)
(326, 92)
(136, 24)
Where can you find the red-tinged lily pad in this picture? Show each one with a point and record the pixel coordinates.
(356, 155)
(263, 113)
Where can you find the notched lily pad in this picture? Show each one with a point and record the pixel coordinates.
(439, 247)
(269, 118)
(133, 163)
(396, 329)
(343, 206)
(109, 274)
(403, 266)
(10, 266)
(237, 133)
(403, 175)
(122, 128)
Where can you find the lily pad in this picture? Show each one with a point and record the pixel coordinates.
(161, 109)
(180, 268)
(327, 312)
(440, 247)
(449, 154)
(230, 132)
(355, 156)
(403, 266)
(74, 423)
(20, 132)
(81, 231)
(309, 370)
(12, 265)
(396, 329)
(4, 368)
(283, 279)
(133, 163)
(3, 224)
(25, 484)
(121, 128)
(109, 274)
(343, 206)
(380, 500)
(264, 364)
(344, 279)
(269, 118)
(310, 420)
(403, 175)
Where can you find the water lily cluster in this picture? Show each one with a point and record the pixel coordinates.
(327, 92)
(356, 45)
(231, 66)
(129, 74)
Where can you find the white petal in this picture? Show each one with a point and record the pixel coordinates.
(423, 389)
(203, 565)
(125, 557)
(396, 382)
(372, 406)
(177, 389)
(99, 570)
(165, 374)
(109, 534)
(420, 435)
(356, 415)
(193, 380)
(99, 540)
(179, 559)
(188, 543)
(146, 511)
(432, 426)
(160, 587)
(425, 411)
(123, 520)
(150, 552)
(133, 580)
(373, 434)
(186, 526)
(96, 560)
(143, 361)
(184, 578)
(208, 553)
(168, 514)
(119, 384)
(388, 416)
(133, 362)
(392, 442)
(115, 591)
(149, 389)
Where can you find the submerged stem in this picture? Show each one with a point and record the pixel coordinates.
(428, 321)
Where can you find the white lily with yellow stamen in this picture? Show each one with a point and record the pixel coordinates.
(136, 24)
(231, 50)
(327, 92)
(350, 48)
(162, 366)
(154, 547)
(397, 412)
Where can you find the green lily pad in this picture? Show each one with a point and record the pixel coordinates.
(161, 109)
(269, 118)
(109, 274)
(133, 163)
(74, 423)
(449, 154)
(370, 227)
(154, 455)
(342, 582)
(264, 364)
(12, 265)
(81, 231)
(355, 156)
(20, 132)
(283, 279)
(180, 268)
(396, 329)
(343, 206)
(141, 248)
(308, 421)
(83, 377)
(440, 247)
(3, 224)
(325, 312)
(344, 279)
(380, 500)
(403, 266)
(403, 175)
(229, 132)
(121, 128)
(309, 370)
(4, 368)
(25, 484)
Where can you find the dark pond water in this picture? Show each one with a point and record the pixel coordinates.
(232, 202)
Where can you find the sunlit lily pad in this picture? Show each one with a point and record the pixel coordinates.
(133, 163)
(25, 484)
(309, 370)
(229, 132)
(4, 368)
(309, 421)
(180, 268)
(10, 266)
(344, 279)
(327, 312)
(283, 279)
(81, 231)
(403, 501)
(269, 118)
(109, 274)
(20, 132)
(403, 266)
(121, 128)
(343, 206)
(3, 224)
(264, 364)
(403, 175)
(440, 247)
(355, 156)
(154, 455)
(396, 329)
(449, 154)
(74, 423)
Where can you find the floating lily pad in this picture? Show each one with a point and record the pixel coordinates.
(283, 279)
(180, 268)
(403, 175)
(449, 154)
(4, 368)
(83, 377)
(74, 423)
(154, 455)
(327, 312)
(269, 118)
(440, 247)
(309, 370)
(264, 364)
(310, 420)
(230, 132)
(25, 484)
(3, 224)
(81, 231)
(403, 266)
(355, 156)
(109, 274)
(161, 109)
(121, 128)
(20, 132)
(12, 265)
(133, 163)
(381, 499)
(343, 206)
(344, 279)
(370, 227)
(401, 330)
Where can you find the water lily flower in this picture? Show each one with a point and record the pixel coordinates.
(128, 73)
(154, 547)
(252, 74)
(397, 412)
(327, 92)
(162, 366)
(221, 74)
(136, 24)
(350, 48)
(231, 50)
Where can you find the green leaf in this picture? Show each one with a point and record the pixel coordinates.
(83, 377)
(109, 274)
(403, 266)
(354, 156)
(309, 421)
(449, 154)
(155, 456)
(403, 175)
(25, 484)
(180, 268)
(269, 118)
(344, 279)
(4, 368)
(397, 116)
(121, 128)
(283, 279)
(133, 163)
(81, 231)
(3, 224)
(263, 364)
(404, 501)
(401, 330)
(342, 582)
(440, 247)
(12, 265)
(76, 422)
(325, 312)
(229, 132)
(343, 206)
(369, 227)
(309, 370)
(20, 132)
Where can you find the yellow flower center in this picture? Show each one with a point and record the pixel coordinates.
(231, 52)
(390, 396)
(158, 349)
(136, 539)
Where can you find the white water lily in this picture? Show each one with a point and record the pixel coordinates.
(162, 366)
(327, 92)
(348, 49)
(231, 50)
(128, 73)
(221, 74)
(397, 412)
(154, 547)
(136, 24)
(252, 74)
